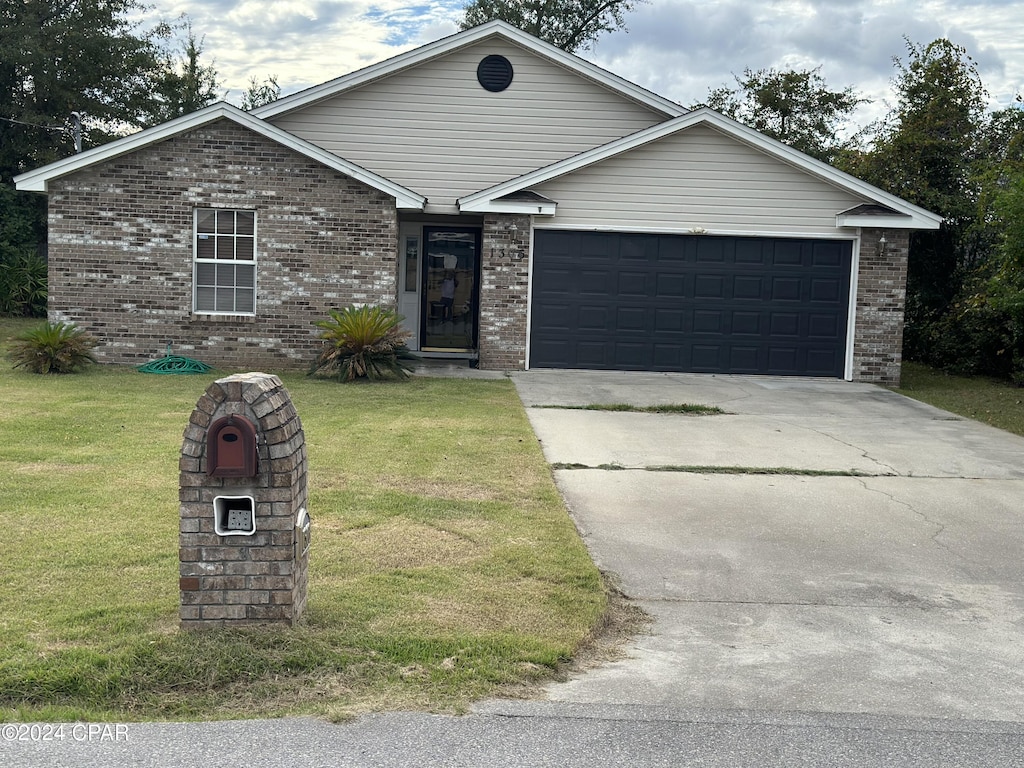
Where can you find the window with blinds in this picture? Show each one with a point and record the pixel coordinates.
(225, 262)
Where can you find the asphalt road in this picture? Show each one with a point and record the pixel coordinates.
(534, 735)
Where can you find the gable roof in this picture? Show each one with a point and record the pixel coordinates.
(492, 29)
(37, 180)
(901, 215)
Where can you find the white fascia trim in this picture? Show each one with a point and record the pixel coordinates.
(689, 230)
(36, 180)
(880, 221)
(448, 44)
(921, 219)
(520, 206)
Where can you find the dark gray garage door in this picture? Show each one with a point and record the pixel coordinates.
(620, 301)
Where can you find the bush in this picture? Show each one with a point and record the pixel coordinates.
(53, 348)
(363, 342)
(23, 286)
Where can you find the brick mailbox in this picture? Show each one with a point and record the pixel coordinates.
(245, 532)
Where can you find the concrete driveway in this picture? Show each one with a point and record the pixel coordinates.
(889, 580)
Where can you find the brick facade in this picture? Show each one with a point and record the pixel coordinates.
(121, 248)
(504, 291)
(262, 577)
(881, 297)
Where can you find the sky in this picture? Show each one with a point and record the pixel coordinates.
(677, 48)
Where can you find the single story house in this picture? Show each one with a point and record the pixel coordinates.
(519, 206)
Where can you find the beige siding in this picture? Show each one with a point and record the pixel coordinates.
(434, 129)
(697, 178)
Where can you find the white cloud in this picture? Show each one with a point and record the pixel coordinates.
(678, 48)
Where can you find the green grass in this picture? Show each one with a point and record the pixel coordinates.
(692, 409)
(991, 401)
(443, 567)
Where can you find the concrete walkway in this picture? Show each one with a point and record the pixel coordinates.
(897, 590)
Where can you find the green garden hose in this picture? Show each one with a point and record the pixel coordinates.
(174, 364)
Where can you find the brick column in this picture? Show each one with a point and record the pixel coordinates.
(881, 297)
(504, 291)
(231, 578)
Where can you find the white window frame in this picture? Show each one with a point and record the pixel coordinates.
(220, 239)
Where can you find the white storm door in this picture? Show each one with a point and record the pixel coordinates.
(410, 258)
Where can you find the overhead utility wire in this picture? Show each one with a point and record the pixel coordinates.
(35, 125)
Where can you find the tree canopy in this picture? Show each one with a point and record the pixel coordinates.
(568, 24)
(794, 106)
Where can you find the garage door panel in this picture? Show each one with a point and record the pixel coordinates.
(631, 319)
(822, 326)
(592, 354)
(749, 287)
(707, 358)
(669, 321)
(828, 254)
(784, 324)
(596, 247)
(690, 303)
(788, 255)
(744, 359)
(708, 286)
(638, 248)
(745, 324)
(827, 290)
(821, 362)
(711, 250)
(669, 357)
(783, 361)
(595, 281)
(557, 318)
(557, 282)
(633, 284)
(708, 321)
(669, 286)
(750, 253)
(786, 288)
(632, 356)
(595, 317)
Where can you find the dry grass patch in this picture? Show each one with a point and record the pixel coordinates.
(440, 545)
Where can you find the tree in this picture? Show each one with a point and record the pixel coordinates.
(62, 57)
(260, 93)
(568, 24)
(929, 152)
(183, 84)
(926, 153)
(793, 106)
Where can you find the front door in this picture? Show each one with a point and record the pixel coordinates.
(451, 265)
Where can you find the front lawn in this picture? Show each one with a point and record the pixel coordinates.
(444, 567)
(993, 402)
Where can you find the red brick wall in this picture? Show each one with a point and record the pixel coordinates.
(881, 296)
(121, 248)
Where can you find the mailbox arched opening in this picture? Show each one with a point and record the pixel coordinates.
(231, 448)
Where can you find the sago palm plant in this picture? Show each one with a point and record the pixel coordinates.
(363, 342)
(53, 348)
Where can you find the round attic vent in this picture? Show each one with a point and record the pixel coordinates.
(494, 73)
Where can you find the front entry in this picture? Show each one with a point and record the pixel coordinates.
(450, 289)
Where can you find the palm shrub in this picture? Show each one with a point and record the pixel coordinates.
(22, 285)
(53, 348)
(363, 342)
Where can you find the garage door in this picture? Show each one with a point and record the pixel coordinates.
(620, 301)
